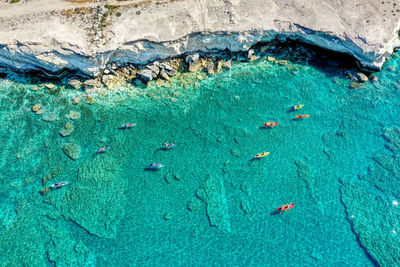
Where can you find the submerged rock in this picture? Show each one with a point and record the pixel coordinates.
(73, 115)
(168, 216)
(67, 130)
(71, 150)
(45, 190)
(36, 107)
(212, 192)
(96, 200)
(356, 85)
(194, 204)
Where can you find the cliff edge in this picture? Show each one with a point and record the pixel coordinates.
(52, 35)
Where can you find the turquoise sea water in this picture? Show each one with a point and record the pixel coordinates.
(211, 204)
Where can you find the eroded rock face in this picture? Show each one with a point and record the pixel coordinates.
(54, 43)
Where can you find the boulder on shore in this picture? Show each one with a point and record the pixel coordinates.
(361, 77)
(75, 83)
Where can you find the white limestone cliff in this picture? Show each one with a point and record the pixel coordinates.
(51, 35)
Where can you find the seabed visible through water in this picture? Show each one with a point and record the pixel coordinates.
(211, 204)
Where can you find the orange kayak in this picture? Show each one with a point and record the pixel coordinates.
(261, 155)
(286, 207)
(302, 116)
(270, 124)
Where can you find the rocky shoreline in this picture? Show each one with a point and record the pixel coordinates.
(89, 36)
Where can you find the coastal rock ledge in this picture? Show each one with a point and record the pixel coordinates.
(53, 35)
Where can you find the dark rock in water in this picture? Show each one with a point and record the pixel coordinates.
(46, 179)
(169, 178)
(45, 190)
(71, 150)
(212, 192)
(245, 205)
(96, 200)
(194, 204)
(177, 177)
(168, 216)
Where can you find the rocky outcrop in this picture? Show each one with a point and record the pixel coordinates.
(151, 32)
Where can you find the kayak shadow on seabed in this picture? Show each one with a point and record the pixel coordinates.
(276, 212)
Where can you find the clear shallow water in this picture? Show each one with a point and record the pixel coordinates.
(339, 167)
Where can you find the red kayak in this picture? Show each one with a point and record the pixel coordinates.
(302, 116)
(286, 207)
(271, 124)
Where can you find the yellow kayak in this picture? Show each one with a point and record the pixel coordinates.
(261, 155)
(296, 107)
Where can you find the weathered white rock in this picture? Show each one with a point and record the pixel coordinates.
(31, 39)
(361, 77)
(146, 75)
(76, 84)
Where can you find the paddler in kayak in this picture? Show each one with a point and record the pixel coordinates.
(296, 107)
(270, 124)
(127, 125)
(286, 207)
(302, 116)
(58, 185)
(261, 155)
(102, 149)
(167, 146)
(156, 165)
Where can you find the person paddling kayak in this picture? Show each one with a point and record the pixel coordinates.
(286, 207)
(58, 185)
(261, 155)
(156, 165)
(302, 116)
(102, 149)
(296, 107)
(127, 125)
(270, 124)
(167, 146)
